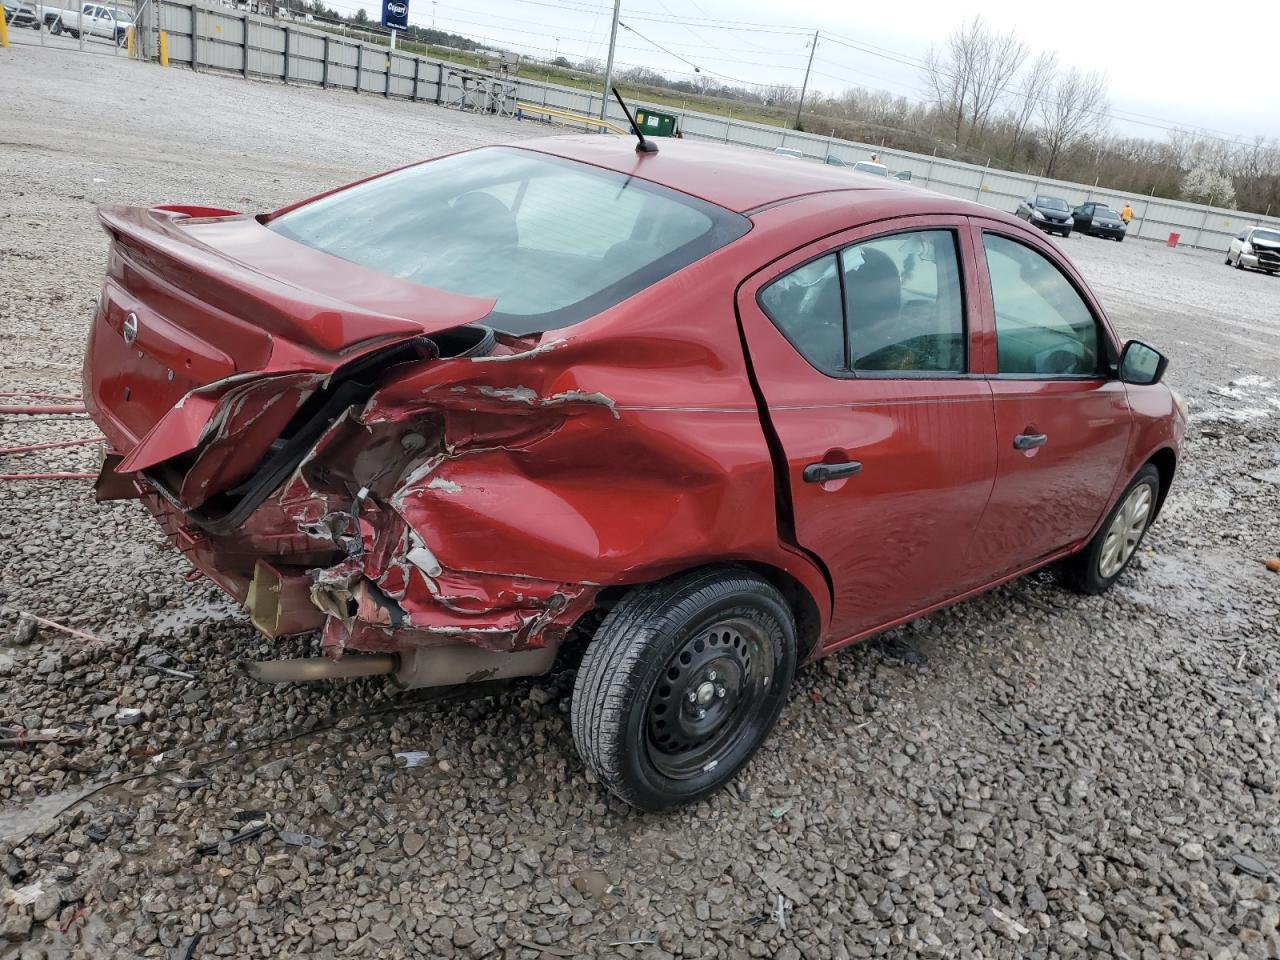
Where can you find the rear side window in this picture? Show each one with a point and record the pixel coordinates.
(805, 305)
(904, 304)
(1043, 326)
(892, 305)
(552, 241)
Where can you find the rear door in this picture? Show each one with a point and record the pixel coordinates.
(1062, 416)
(860, 345)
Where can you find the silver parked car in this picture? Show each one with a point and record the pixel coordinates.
(1257, 247)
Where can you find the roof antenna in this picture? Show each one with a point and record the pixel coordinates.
(644, 146)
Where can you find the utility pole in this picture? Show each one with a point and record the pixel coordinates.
(608, 67)
(813, 48)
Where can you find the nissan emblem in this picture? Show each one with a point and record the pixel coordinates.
(130, 329)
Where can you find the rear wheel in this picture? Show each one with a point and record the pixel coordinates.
(56, 29)
(682, 683)
(1100, 564)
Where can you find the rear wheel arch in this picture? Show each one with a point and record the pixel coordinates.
(804, 606)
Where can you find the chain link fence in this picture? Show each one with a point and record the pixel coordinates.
(72, 24)
(232, 38)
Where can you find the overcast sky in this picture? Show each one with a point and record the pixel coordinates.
(1166, 66)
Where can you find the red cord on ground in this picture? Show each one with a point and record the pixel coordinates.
(48, 476)
(6, 451)
(36, 410)
(53, 624)
(39, 396)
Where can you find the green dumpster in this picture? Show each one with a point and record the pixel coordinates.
(655, 124)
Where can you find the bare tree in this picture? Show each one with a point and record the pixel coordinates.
(779, 95)
(1000, 57)
(1035, 84)
(1074, 109)
(971, 74)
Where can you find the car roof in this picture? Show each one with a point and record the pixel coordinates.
(738, 178)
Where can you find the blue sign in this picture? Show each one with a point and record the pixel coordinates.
(395, 14)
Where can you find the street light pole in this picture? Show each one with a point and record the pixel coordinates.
(608, 67)
(813, 48)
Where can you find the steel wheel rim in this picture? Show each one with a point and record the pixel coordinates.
(707, 698)
(1127, 527)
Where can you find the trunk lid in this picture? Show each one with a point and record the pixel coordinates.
(213, 332)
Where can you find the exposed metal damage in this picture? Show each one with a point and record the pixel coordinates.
(391, 473)
(363, 567)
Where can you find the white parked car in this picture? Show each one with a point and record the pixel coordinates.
(880, 170)
(94, 20)
(1257, 247)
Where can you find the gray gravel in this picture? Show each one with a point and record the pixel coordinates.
(1063, 777)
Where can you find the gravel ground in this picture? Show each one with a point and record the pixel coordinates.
(1063, 776)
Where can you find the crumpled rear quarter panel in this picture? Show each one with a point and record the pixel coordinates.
(615, 452)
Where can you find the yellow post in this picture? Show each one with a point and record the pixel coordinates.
(129, 42)
(164, 49)
(4, 30)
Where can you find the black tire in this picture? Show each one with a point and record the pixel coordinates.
(56, 29)
(1228, 260)
(663, 643)
(1239, 262)
(1084, 571)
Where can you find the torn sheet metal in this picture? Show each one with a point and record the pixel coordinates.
(473, 499)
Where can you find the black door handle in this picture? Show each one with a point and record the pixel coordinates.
(822, 472)
(1029, 441)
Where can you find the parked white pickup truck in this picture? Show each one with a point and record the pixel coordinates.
(94, 20)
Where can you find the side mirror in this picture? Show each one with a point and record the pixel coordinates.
(1142, 365)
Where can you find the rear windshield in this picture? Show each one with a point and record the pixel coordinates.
(866, 166)
(552, 240)
(1051, 203)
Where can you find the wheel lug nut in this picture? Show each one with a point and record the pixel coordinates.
(712, 676)
(693, 696)
(720, 692)
(701, 714)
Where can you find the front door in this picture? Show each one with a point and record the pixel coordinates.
(861, 347)
(1062, 416)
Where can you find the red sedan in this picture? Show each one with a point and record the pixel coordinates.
(708, 412)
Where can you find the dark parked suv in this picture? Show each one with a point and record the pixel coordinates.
(1050, 214)
(1098, 220)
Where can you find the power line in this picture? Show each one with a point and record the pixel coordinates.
(667, 17)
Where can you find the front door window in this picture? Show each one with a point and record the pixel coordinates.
(1043, 326)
